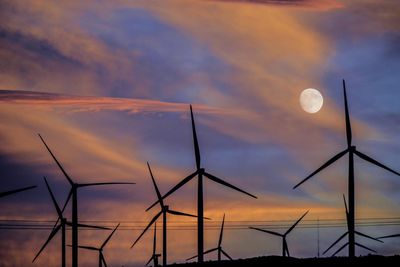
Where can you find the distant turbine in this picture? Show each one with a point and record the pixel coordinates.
(356, 232)
(164, 210)
(6, 193)
(61, 223)
(219, 247)
(351, 150)
(74, 193)
(285, 249)
(154, 257)
(100, 249)
(200, 172)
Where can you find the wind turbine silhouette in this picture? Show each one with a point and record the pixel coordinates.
(285, 249)
(356, 232)
(154, 257)
(219, 247)
(6, 193)
(352, 151)
(100, 249)
(74, 194)
(164, 211)
(61, 224)
(200, 172)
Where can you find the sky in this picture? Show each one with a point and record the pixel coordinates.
(108, 85)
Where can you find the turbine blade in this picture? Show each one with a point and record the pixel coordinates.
(52, 234)
(348, 124)
(57, 162)
(65, 205)
(294, 225)
(266, 231)
(326, 164)
(59, 212)
(103, 259)
(108, 238)
(220, 181)
(221, 232)
(389, 236)
(367, 236)
(180, 213)
(334, 243)
(195, 141)
(3, 194)
(347, 211)
(226, 254)
(147, 227)
(87, 247)
(286, 246)
(191, 258)
(176, 187)
(88, 226)
(94, 184)
(340, 249)
(210, 250)
(151, 258)
(373, 161)
(362, 246)
(205, 252)
(160, 200)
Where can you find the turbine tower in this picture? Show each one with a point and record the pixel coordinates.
(219, 249)
(285, 248)
(200, 172)
(74, 194)
(351, 150)
(164, 211)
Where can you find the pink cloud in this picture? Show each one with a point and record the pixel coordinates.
(93, 103)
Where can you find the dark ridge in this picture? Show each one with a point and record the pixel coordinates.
(272, 261)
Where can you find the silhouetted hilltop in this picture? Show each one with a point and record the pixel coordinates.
(272, 261)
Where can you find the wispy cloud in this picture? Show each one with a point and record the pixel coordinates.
(94, 103)
(311, 4)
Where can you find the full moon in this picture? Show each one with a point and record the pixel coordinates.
(311, 100)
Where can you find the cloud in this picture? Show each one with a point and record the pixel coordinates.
(93, 103)
(309, 4)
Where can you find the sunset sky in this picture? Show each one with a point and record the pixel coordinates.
(108, 85)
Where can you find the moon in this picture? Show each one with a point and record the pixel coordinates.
(311, 100)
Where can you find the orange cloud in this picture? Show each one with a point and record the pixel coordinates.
(73, 103)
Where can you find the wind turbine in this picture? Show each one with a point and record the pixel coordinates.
(219, 247)
(61, 224)
(200, 172)
(164, 211)
(74, 194)
(100, 249)
(154, 257)
(351, 150)
(356, 232)
(6, 193)
(285, 249)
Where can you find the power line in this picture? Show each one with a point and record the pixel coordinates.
(44, 224)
